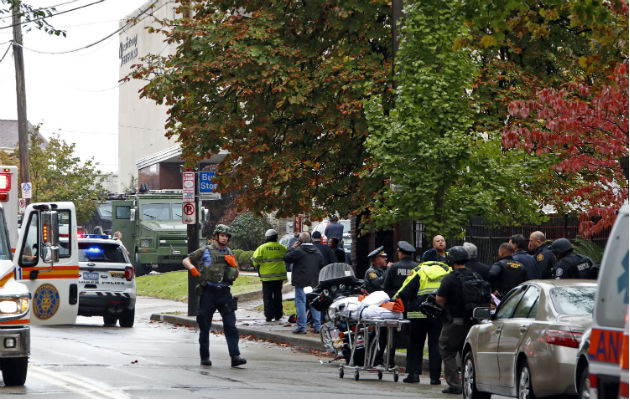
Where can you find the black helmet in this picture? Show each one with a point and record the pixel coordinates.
(222, 229)
(561, 246)
(457, 254)
(430, 308)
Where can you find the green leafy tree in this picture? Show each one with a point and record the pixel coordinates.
(280, 86)
(59, 175)
(248, 232)
(439, 169)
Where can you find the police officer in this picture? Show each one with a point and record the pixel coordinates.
(571, 265)
(217, 271)
(541, 253)
(424, 280)
(455, 326)
(507, 272)
(398, 272)
(269, 260)
(375, 274)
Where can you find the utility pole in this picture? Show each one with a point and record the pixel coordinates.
(20, 86)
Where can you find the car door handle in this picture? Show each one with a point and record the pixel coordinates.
(523, 328)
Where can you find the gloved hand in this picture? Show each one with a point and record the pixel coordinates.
(231, 261)
(194, 272)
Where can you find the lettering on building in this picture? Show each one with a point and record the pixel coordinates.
(128, 49)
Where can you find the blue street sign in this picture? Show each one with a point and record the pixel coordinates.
(205, 182)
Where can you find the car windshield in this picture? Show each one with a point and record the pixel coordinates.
(177, 211)
(573, 300)
(5, 246)
(156, 211)
(102, 252)
(105, 210)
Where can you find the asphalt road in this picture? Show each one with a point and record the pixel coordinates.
(159, 360)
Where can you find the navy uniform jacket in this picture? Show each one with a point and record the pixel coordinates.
(545, 260)
(374, 278)
(397, 273)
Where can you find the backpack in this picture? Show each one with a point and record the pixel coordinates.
(475, 292)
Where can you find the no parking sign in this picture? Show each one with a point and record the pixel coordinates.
(188, 213)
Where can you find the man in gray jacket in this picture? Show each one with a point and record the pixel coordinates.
(307, 261)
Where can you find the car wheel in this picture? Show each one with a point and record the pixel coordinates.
(525, 390)
(126, 318)
(14, 371)
(584, 390)
(140, 269)
(109, 319)
(469, 388)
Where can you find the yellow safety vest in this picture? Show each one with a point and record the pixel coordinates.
(269, 259)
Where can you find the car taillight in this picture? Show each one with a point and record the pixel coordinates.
(563, 338)
(129, 273)
(5, 186)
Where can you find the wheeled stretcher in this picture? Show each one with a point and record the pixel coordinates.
(366, 334)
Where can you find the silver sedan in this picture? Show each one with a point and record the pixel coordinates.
(528, 347)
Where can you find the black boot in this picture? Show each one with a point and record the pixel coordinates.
(206, 361)
(412, 378)
(238, 360)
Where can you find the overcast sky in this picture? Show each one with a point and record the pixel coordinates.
(74, 94)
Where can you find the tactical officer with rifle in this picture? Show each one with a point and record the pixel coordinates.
(216, 269)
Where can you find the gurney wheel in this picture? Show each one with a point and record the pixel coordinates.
(395, 376)
(341, 372)
(380, 375)
(356, 375)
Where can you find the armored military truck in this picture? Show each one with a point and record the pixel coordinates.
(152, 230)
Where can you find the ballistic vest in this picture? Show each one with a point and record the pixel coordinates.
(219, 271)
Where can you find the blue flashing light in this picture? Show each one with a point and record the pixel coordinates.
(94, 250)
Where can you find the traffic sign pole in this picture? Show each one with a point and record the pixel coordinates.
(193, 239)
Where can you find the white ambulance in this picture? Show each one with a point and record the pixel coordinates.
(39, 273)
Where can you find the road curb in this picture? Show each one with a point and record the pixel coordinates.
(257, 294)
(301, 342)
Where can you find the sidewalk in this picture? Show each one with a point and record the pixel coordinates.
(251, 323)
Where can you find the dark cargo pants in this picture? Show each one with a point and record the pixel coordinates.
(272, 299)
(451, 341)
(213, 299)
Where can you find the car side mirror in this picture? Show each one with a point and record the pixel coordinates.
(50, 236)
(481, 313)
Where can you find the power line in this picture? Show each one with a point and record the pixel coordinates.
(41, 8)
(6, 51)
(52, 15)
(100, 40)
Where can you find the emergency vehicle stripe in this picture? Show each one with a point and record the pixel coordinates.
(5, 278)
(605, 346)
(16, 322)
(56, 268)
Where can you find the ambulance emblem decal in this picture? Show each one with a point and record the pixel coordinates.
(45, 301)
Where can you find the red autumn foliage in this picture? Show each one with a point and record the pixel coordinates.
(583, 130)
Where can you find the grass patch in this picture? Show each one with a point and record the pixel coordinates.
(174, 285)
(288, 307)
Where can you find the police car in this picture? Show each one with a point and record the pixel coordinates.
(107, 285)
